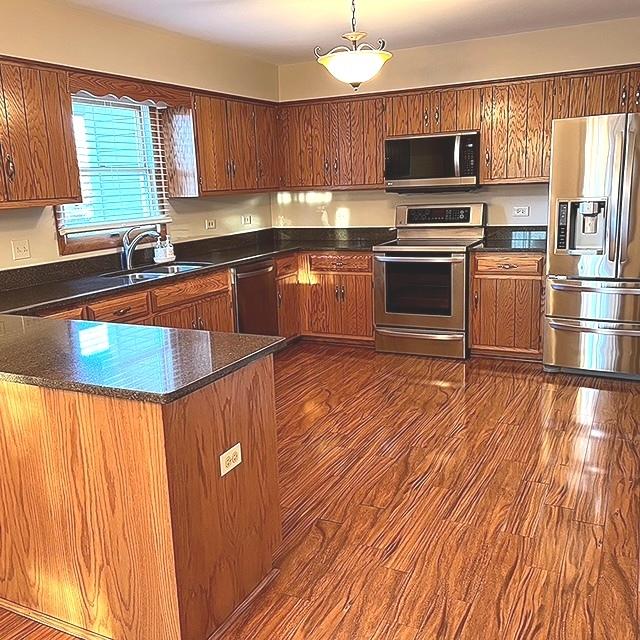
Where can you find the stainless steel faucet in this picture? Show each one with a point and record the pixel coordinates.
(129, 245)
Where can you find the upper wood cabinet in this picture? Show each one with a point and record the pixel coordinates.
(38, 161)
(242, 157)
(211, 144)
(266, 127)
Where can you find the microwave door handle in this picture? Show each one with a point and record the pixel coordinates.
(456, 155)
(627, 188)
(614, 212)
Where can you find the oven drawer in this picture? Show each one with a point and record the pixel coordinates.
(340, 262)
(501, 263)
(421, 343)
(606, 347)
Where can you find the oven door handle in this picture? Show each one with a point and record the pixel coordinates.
(415, 334)
(452, 260)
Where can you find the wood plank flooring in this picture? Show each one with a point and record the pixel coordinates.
(433, 499)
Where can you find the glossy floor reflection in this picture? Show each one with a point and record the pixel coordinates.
(431, 499)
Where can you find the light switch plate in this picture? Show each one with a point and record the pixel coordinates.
(521, 211)
(210, 224)
(21, 249)
(230, 459)
(246, 219)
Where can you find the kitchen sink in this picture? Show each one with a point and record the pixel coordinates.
(156, 271)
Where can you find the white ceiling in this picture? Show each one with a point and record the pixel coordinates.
(285, 31)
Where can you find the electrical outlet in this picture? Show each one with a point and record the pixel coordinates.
(210, 224)
(20, 249)
(521, 212)
(246, 219)
(230, 459)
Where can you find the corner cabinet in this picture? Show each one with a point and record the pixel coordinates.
(507, 304)
(338, 295)
(39, 165)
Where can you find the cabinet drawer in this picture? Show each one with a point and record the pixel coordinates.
(340, 262)
(76, 313)
(121, 308)
(287, 266)
(190, 289)
(503, 263)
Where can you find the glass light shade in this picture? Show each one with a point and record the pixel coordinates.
(354, 67)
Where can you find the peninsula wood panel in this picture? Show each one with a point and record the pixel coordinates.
(212, 148)
(225, 529)
(96, 492)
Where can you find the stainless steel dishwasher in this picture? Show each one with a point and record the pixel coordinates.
(255, 297)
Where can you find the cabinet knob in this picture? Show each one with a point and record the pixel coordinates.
(279, 298)
(487, 158)
(343, 293)
(121, 312)
(476, 299)
(11, 168)
(337, 293)
(507, 265)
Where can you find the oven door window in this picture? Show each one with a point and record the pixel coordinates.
(414, 288)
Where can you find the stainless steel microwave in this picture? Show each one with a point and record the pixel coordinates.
(438, 162)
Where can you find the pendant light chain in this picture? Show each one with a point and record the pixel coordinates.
(353, 13)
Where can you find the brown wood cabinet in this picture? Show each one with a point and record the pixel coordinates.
(506, 304)
(266, 126)
(288, 306)
(339, 296)
(38, 160)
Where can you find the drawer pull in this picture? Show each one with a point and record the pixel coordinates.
(122, 312)
(507, 265)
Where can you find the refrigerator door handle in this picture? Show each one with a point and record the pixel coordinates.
(627, 187)
(614, 212)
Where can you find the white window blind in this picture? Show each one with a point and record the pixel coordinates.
(122, 166)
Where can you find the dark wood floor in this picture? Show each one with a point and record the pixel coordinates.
(431, 499)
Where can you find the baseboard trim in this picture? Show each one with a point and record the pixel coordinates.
(219, 633)
(368, 343)
(50, 621)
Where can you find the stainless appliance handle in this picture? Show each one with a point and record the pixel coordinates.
(558, 286)
(456, 156)
(613, 210)
(627, 184)
(451, 260)
(577, 328)
(250, 274)
(416, 334)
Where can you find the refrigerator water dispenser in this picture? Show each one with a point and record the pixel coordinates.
(581, 226)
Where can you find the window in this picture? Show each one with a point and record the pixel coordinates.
(122, 169)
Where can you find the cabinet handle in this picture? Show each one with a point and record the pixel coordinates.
(337, 293)
(638, 96)
(335, 166)
(259, 169)
(11, 168)
(193, 325)
(487, 158)
(233, 167)
(436, 117)
(327, 166)
(507, 265)
(426, 118)
(623, 95)
(279, 298)
(121, 312)
(200, 323)
(476, 299)
(342, 293)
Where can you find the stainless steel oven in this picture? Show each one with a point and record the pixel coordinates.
(420, 280)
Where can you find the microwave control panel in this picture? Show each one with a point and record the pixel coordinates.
(429, 215)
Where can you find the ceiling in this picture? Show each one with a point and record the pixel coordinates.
(284, 31)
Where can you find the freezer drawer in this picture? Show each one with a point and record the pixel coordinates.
(594, 347)
(593, 300)
(422, 343)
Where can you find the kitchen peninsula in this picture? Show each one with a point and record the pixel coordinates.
(116, 519)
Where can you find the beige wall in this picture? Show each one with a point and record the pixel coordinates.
(38, 227)
(53, 31)
(377, 209)
(586, 46)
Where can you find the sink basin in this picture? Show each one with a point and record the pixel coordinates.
(155, 271)
(177, 267)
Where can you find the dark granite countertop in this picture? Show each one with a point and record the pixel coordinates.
(514, 239)
(52, 295)
(148, 364)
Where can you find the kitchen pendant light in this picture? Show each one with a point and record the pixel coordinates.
(358, 62)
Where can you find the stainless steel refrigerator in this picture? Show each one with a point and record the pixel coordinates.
(592, 321)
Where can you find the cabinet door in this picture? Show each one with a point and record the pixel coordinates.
(183, 318)
(242, 145)
(212, 150)
(321, 175)
(634, 92)
(468, 109)
(216, 313)
(356, 295)
(342, 175)
(396, 115)
(288, 306)
(265, 147)
(283, 147)
(367, 138)
(447, 113)
(431, 112)
(38, 160)
(506, 314)
(324, 306)
(615, 92)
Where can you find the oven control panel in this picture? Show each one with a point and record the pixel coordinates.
(438, 215)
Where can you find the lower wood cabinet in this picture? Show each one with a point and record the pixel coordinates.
(288, 306)
(211, 314)
(506, 304)
(339, 304)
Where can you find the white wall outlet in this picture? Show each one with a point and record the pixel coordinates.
(230, 459)
(521, 212)
(210, 224)
(246, 219)
(21, 249)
